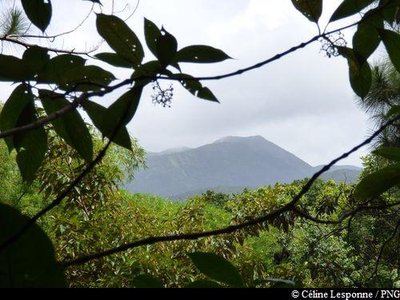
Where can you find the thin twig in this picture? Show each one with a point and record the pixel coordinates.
(53, 37)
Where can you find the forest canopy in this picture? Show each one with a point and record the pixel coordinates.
(66, 220)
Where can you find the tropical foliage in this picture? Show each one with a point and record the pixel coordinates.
(61, 194)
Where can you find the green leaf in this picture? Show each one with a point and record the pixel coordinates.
(378, 182)
(30, 261)
(359, 72)
(391, 40)
(394, 111)
(36, 58)
(166, 46)
(366, 40)
(13, 69)
(98, 114)
(114, 60)
(120, 38)
(31, 146)
(204, 284)
(348, 8)
(151, 34)
(391, 153)
(86, 78)
(70, 127)
(39, 12)
(195, 87)
(311, 9)
(147, 281)
(19, 99)
(201, 54)
(217, 268)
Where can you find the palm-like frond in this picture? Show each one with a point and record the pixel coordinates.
(13, 23)
(383, 95)
(385, 89)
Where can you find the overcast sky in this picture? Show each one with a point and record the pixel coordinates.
(302, 102)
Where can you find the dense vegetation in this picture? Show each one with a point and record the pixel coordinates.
(290, 248)
(65, 174)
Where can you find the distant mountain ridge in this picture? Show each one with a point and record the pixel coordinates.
(230, 163)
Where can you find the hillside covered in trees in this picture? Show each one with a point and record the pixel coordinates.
(228, 165)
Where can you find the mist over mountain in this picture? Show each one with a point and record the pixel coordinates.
(229, 165)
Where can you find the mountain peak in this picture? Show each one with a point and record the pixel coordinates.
(238, 139)
(175, 150)
(228, 162)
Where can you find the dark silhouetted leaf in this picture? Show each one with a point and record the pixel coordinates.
(391, 153)
(30, 261)
(31, 145)
(349, 7)
(217, 268)
(151, 34)
(13, 69)
(147, 281)
(195, 87)
(19, 99)
(378, 182)
(359, 72)
(86, 78)
(204, 284)
(70, 127)
(146, 72)
(98, 114)
(114, 60)
(36, 58)
(311, 9)
(166, 46)
(391, 40)
(366, 40)
(57, 67)
(373, 17)
(125, 106)
(120, 38)
(201, 54)
(206, 94)
(39, 12)
(149, 69)
(389, 10)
